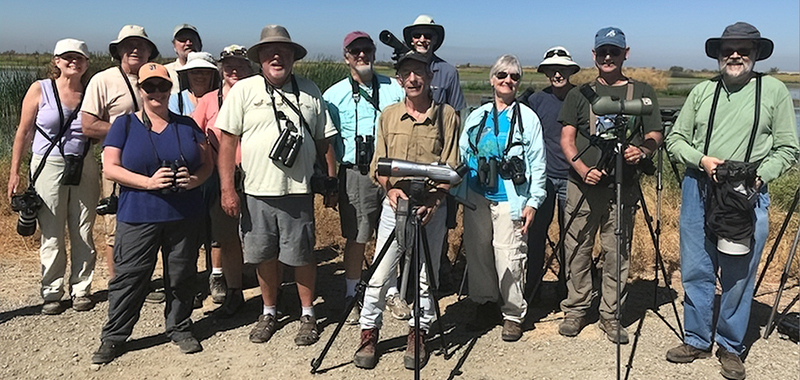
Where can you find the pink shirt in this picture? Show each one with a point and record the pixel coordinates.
(205, 115)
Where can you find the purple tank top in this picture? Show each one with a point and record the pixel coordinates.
(48, 121)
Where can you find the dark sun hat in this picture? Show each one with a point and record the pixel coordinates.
(740, 31)
(272, 34)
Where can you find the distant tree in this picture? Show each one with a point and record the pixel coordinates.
(774, 70)
(676, 69)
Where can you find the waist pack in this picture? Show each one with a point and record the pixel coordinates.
(731, 203)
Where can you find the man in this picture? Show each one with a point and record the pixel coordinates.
(114, 92)
(558, 66)
(422, 131)
(355, 103)
(591, 197)
(278, 112)
(731, 116)
(185, 39)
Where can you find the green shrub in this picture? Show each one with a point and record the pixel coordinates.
(324, 72)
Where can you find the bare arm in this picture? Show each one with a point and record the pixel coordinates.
(226, 165)
(93, 127)
(191, 180)
(24, 135)
(590, 175)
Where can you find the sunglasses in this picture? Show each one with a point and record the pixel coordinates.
(612, 51)
(355, 52)
(428, 36)
(502, 75)
(418, 72)
(556, 52)
(233, 53)
(743, 51)
(156, 86)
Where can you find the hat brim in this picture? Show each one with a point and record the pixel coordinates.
(408, 32)
(72, 51)
(112, 48)
(299, 51)
(197, 64)
(559, 61)
(765, 47)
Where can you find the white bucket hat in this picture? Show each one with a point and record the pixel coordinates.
(558, 56)
(132, 31)
(71, 45)
(198, 60)
(424, 22)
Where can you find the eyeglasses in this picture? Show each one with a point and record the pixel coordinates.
(156, 86)
(612, 51)
(556, 52)
(502, 75)
(233, 53)
(406, 72)
(743, 51)
(356, 51)
(427, 36)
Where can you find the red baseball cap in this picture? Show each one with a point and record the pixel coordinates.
(352, 36)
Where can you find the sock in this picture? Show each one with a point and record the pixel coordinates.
(392, 291)
(216, 271)
(270, 310)
(351, 287)
(309, 311)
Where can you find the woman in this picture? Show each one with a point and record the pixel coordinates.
(225, 282)
(200, 73)
(503, 147)
(158, 159)
(51, 106)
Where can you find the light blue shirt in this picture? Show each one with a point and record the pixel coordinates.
(531, 150)
(343, 110)
(188, 107)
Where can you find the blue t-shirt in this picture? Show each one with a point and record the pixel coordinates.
(174, 105)
(142, 152)
(547, 106)
(490, 144)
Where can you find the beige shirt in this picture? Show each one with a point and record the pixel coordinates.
(248, 112)
(107, 96)
(172, 69)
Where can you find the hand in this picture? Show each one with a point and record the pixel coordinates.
(593, 176)
(633, 154)
(393, 194)
(13, 182)
(432, 204)
(527, 215)
(229, 201)
(182, 177)
(709, 165)
(330, 200)
(161, 179)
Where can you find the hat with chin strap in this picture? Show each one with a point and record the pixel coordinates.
(424, 22)
(741, 31)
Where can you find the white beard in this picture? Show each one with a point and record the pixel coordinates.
(365, 70)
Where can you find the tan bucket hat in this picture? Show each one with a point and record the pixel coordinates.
(272, 34)
(132, 31)
(424, 22)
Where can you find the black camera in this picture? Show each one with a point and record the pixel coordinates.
(321, 184)
(174, 166)
(513, 169)
(735, 171)
(107, 205)
(487, 172)
(288, 145)
(365, 148)
(27, 205)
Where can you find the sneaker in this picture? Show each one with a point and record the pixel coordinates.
(571, 326)
(217, 287)
(512, 331)
(308, 333)
(82, 303)
(234, 299)
(188, 345)
(367, 354)
(408, 357)
(107, 352)
(732, 367)
(52, 308)
(487, 316)
(156, 296)
(398, 306)
(611, 327)
(266, 326)
(686, 353)
(355, 312)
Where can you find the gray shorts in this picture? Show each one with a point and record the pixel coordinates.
(359, 204)
(278, 227)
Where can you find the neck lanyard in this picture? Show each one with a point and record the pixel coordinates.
(359, 92)
(130, 89)
(516, 119)
(149, 126)
(296, 90)
(756, 117)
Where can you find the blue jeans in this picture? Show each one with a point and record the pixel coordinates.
(700, 261)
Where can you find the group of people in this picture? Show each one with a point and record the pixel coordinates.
(204, 138)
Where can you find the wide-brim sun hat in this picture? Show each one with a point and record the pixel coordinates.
(132, 31)
(198, 60)
(424, 22)
(740, 31)
(71, 45)
(153, 70)
(272, 34)
(558, 56)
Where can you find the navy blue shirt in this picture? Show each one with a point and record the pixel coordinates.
(547, 106)
(142, 152)
(446, 85)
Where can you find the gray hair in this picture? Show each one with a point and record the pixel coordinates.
(506, 62)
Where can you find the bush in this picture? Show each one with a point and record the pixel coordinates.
(324, 72)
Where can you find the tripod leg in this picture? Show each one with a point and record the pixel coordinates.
(778, 239)
(431, 287)
(784, 278)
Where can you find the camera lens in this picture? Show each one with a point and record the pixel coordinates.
(26, 224)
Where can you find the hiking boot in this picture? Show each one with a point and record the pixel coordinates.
(52, 308)
(197, 302)
(234, 299)
(263, 330)
(686, 353)
(82, 303)
(188, 345)
(408, 357)
(308, 333)
(609, 326)
(487, 316)
(355, 312)
(398, 306)
(512, 331)
(107, 352)
(732, 367)
(156, 296)
(571, 326)
(367, 354)
(217, 287)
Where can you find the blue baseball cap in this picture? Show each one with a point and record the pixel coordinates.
(609, 36)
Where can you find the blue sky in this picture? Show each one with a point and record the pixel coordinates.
(660, 33)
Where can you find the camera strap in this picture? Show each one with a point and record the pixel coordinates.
(359, 93)
(130, 89)
(756, 116)
(593, 117)
(271, 90)
(61, 132)
(516, 120)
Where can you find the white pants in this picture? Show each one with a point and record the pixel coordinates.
(375, 295)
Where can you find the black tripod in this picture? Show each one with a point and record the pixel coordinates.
(784, 278)
(416, 251)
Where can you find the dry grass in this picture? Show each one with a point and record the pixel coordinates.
(658, 79)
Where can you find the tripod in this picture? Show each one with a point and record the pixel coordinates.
(784, 278)
(417, 253)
